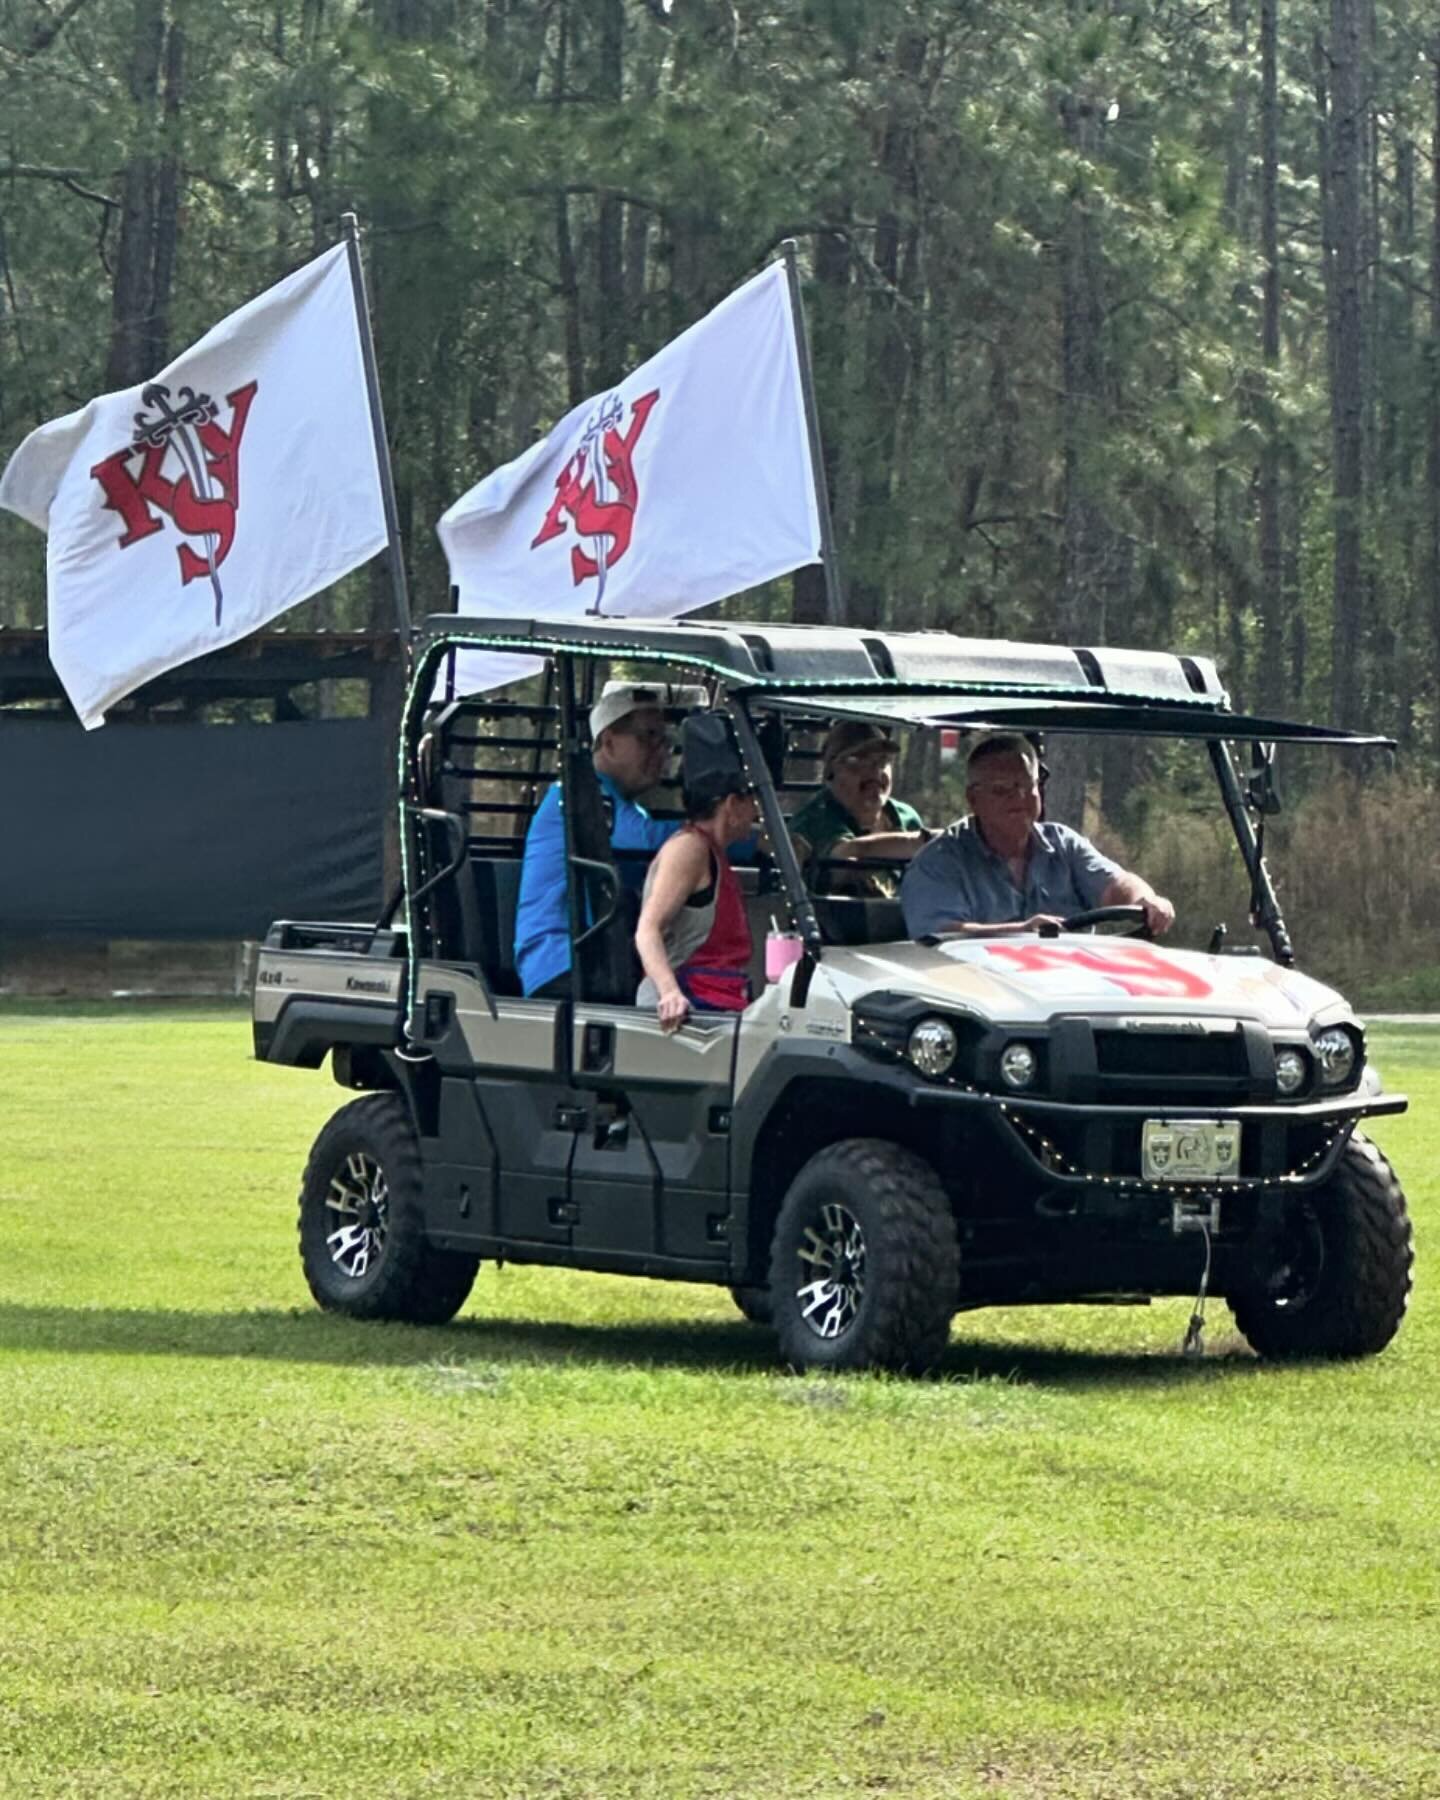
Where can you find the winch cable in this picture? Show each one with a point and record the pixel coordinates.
(1194, 1344)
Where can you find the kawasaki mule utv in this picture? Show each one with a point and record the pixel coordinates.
(892, 1130)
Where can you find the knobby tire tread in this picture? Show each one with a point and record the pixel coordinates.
(1365, 1288)
(913, 1261)
(415, 1282)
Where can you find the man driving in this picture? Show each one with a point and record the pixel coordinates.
(855, 818)
(1001, 870)
(631, 752)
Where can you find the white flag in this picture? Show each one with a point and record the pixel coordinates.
(689, 481)
(159, 549)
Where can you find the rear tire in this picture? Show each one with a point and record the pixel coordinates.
(1334, 1280)
(362, 1233)
(865, 1267)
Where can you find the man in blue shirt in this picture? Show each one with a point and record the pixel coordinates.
(631, 751)
(1002, 871)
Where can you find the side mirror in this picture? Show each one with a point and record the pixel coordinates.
(1262, 791)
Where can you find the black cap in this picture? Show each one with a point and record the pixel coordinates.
(710, 765)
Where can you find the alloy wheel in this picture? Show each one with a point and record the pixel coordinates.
(358, 1202)
(832, 1271)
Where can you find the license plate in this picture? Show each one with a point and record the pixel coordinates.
(1189, 1150)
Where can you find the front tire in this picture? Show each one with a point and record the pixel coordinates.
(362, 1234)
(865, 1266)
(754, 1302)
(1334, 1279)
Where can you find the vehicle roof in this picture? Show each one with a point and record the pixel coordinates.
(844, 657)
(909, 677)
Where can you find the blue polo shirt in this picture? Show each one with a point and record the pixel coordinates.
(542, 916)
(958, 877)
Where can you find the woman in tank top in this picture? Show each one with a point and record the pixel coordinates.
(693, 938)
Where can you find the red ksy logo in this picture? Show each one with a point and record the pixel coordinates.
(204, 498)
(598, 492)
(1134, 968)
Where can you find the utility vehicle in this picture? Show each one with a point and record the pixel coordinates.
(892, 1130)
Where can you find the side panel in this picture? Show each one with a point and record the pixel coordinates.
(651, 1168)
(306, 1001)
(505, 1099)
(499, 1166)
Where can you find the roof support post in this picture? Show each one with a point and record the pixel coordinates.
(1264, 906)
(776, 829)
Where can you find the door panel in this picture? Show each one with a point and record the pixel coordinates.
(651, 1171)
(516, 1126)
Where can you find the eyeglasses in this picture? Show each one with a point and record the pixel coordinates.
(645, 734)
(861, 760)
(1003, 790)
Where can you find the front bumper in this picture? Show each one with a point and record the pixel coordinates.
(1089, 1145)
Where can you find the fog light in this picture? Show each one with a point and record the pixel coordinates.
(1289, 1071)
(1017, 1065)
(1335, 1050)
(933, 1047)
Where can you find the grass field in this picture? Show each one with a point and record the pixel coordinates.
(588, 1541)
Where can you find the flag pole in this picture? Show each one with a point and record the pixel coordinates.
(350, 227)
(834, 596)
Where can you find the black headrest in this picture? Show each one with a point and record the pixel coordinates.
(710, 765)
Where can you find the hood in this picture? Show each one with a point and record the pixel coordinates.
(1026, 980)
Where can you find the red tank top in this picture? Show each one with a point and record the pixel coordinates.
(716, 974)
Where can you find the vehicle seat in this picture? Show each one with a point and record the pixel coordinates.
(852, 919)
(608, 965)
(495, 883)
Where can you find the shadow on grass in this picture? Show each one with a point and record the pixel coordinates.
(303, 1336)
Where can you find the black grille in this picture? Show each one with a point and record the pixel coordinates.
(1161, 1055)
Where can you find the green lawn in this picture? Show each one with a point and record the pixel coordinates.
(588, 1541)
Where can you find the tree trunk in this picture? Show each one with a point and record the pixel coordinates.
(1091, 565)
(611, 319)
(1270, 682)
(887, 347)
(131, 286)
(1346, 328)
(1432, 457)
(156, 351)
(810, 594)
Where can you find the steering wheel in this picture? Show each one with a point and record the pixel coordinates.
(1129, 920)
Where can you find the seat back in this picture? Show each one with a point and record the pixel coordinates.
(848, 919)
(605, 957)
(495, 886)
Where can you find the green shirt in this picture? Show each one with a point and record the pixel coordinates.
(822, 822)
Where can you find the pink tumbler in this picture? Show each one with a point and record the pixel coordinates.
(782, 949)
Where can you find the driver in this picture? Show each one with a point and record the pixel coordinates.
(1002, 870)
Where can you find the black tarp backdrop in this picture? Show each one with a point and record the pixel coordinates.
(187, 831)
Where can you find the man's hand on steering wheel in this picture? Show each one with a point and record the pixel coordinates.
(1147, 916)
(1128, 921)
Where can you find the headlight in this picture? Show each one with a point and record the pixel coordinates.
(1335, 1052)
(932, 1047)
(1290, 1071)
(1017, 1065)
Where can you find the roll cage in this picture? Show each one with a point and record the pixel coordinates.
(474, 768)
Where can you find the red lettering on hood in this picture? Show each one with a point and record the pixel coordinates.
(1136, 968)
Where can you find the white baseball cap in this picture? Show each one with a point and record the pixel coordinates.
(617, 698)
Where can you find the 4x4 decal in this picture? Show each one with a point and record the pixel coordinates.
(1135, 968)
